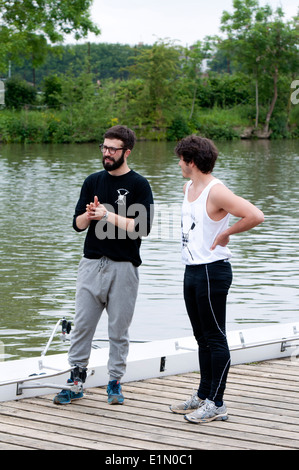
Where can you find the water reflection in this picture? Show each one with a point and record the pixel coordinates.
(40, 252)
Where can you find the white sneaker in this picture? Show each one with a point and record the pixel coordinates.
(192, 403)
(207, 412)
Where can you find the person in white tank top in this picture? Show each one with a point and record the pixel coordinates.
(206, 232)
(199, 230)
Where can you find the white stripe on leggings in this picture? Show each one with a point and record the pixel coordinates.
(209, 297)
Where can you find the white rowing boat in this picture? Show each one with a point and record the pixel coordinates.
(41, 375)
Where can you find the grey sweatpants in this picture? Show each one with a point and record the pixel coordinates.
(103, 283)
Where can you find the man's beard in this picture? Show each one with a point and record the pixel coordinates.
(113, 164)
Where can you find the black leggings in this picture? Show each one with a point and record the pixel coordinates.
(205, 291)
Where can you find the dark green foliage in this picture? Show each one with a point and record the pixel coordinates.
(19, 93)
(52, 91)
(178, 128)
(104, 61)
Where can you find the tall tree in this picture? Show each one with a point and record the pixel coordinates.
(26, 25)
(159, 68)
(194, 57)
(262, 44)
(281, 55)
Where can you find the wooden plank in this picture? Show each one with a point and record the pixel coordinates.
(16, 436)
(235, 428)
(234, 389)
(143, 412)
(116, 421)
(262, 400)
(8, 446)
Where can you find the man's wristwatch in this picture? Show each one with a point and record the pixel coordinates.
(105, 216)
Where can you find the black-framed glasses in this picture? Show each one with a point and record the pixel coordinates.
(111, 150)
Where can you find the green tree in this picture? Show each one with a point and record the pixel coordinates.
(105, 61)
(246, 41)
(52, 91)
(26, 26)
(159, 68)
(19, 93)
(281, 55)
(193, 68)
(262, 44)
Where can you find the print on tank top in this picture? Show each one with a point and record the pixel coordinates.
(185, 238)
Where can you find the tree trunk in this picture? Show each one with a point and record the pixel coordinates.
(272, 105)
(193, 100)
(33, 70)
(256, 103)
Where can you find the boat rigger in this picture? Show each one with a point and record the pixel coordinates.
(38, 376)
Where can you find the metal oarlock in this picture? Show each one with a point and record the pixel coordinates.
(78, 374)
(66, 328)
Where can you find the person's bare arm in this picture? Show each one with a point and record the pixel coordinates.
(82, 221)
(223, 201)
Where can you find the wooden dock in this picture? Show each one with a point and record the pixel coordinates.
(262, 401)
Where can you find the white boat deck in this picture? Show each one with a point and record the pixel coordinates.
(262, 400)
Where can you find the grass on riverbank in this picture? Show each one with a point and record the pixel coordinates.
(86, 125)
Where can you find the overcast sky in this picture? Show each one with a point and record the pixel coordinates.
(187, 21)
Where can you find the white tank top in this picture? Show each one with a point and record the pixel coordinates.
(199, 230)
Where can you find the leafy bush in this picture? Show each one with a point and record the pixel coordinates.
(52, 91)
(19, 93)
(178, 129)
(215, 132)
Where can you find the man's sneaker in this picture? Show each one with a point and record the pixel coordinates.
(67, 396)
(115, 397)
(208, 412)
(191, 404)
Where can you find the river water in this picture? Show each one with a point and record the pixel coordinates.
(40, 251)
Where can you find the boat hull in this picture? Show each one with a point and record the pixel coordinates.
(40, 376)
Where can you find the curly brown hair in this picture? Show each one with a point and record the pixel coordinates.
(199, 150)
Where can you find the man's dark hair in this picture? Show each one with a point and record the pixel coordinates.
(123, 133)
(199, 150)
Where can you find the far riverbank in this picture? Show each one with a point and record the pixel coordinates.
(79, 126)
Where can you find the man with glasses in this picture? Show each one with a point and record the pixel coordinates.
(115, 205)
